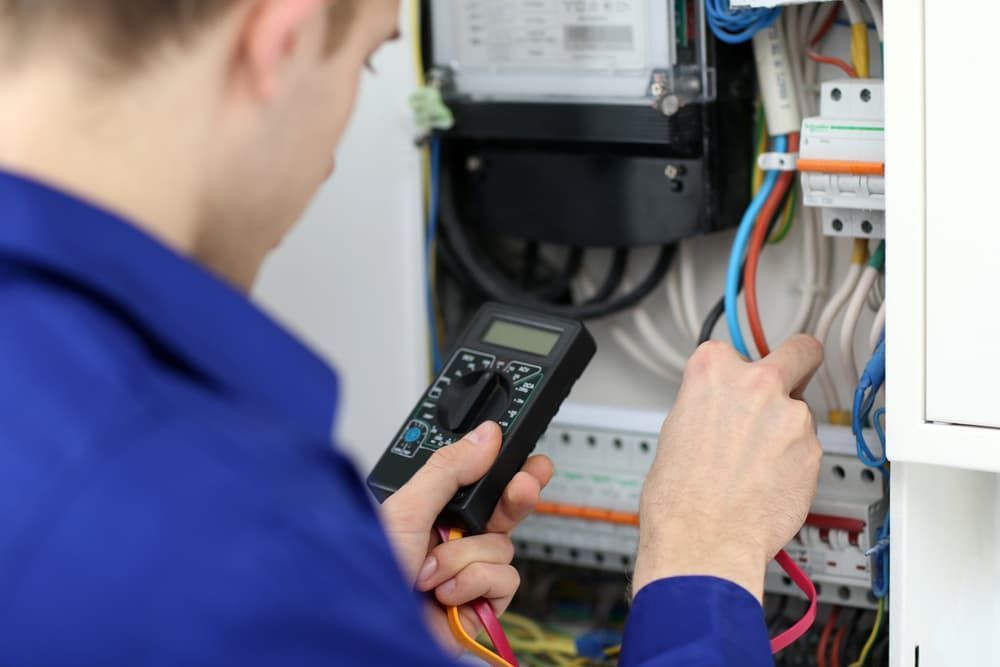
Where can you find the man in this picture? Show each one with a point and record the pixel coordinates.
(167, 492)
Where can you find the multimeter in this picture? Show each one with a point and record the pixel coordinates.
(512, 366)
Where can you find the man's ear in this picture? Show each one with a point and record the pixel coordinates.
(270, 34)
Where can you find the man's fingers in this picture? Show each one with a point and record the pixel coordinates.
(797, 360)
(447, 560)
(521, 495)
(419, 502)
(479, 580)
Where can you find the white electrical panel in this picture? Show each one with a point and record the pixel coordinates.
(846, 145)
(616, 52)
(601, 457)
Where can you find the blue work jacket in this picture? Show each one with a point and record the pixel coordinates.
(169, 494)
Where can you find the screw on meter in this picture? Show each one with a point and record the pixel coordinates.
(512, 366)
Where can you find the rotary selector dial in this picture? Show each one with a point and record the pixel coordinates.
(473, 399)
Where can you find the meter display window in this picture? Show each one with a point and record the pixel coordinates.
(521, 338)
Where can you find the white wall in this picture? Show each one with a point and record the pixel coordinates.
(348, 279)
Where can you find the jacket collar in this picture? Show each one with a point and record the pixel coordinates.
(213, 328)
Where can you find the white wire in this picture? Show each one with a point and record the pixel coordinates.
(849, 327)
(877, 326)
(875, 7)
(824, 262)
(666, 352)
(823, 327)
(673, 293)
(583, 287)
(635, 351)
(791, 17)
(688, 285)
(809, 264)
(854, 14)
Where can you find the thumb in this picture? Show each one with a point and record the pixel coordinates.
(450, 468)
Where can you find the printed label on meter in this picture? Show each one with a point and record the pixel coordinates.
(552, 33)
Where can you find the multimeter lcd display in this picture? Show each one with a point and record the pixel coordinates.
(520, 337)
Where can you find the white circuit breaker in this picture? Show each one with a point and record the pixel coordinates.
(842, 158)
(589, 511)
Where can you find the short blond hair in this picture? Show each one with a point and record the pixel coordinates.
(129, 29)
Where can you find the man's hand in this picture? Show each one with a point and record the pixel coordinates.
(736, 469)
(461, 571)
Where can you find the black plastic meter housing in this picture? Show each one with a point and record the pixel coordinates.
(511, 366)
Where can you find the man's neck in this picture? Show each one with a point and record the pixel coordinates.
(128, 151)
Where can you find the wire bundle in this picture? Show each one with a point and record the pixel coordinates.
(868, 387)
(735, 26)
(505, 654)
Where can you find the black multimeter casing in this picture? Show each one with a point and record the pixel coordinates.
(519, 389)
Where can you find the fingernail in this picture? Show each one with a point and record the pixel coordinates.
(481, 435)
(429, 567)
(448, 587)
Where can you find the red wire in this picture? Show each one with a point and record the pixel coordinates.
(801, 626)
(831, 18)
(824, 638)
(830, 60)
(770, 209)
(488, 618)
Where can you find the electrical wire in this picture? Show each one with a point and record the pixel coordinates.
(739, 251)
(824, 637)
(871, 638)
(846, 67)
(833, 307)
(737, 26)
(672, 291)
(559, 285)
(497, 287)
(859, 38)
(487, 617)
(878, 327)
(771, 208)
(687, 283)
(433, 216)
(672, 365)
(875, 7)
(788, 216)
(844, 635)
(852, 313)
(801, 626)
(870, 383)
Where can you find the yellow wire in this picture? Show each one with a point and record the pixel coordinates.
(859, 254)
(859, 49)
(464, 638)
(871, 638)
(418, 52)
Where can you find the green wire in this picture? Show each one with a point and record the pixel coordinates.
(877, 260)
(786, 227)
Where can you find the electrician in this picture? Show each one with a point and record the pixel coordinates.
(167, 492)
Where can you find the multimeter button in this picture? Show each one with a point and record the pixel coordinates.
(473, 399)
(413, 434)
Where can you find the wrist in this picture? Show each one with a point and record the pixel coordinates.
(675, 549)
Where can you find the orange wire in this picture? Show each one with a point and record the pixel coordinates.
(467, 641)
(770, 209)
(837, 640)
(824, 638)
(836, 62)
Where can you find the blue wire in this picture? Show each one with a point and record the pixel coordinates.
(740, 250)
(880, 583)
(868, 387)
(432, 225)
(740, 25)
(879, 428)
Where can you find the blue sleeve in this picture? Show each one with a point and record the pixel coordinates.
(181, 552)
(701, 621)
